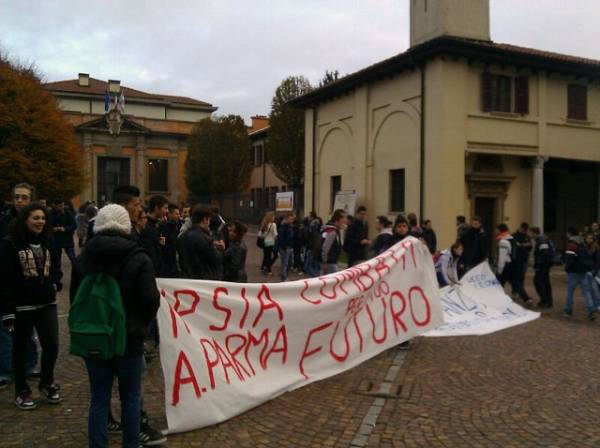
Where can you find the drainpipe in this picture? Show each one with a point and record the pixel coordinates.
(314, 161)
(422, 158)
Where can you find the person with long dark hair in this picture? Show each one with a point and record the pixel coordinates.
(29, 282)
(235, 256)
(268, 233)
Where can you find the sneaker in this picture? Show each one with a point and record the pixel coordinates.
(51, 393)
(591, 317)
(24, 401)
(567, 314)
(114, 427)
(34, 374)
(3, 384)
(150, 436)
(404, 345)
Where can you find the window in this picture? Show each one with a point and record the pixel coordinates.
(157, 175)
(336, 185)
(501, 93)
(397, 190)
(577, 102)
(258, 155)
(112, 172)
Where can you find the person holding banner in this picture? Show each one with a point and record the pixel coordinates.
(446, 266)
(401, 230)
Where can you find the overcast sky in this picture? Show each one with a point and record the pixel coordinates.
(233, 54)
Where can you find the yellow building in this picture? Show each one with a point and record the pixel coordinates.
(264, 183)
(460, 125)
(151, 147)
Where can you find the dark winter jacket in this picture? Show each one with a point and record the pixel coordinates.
(572, 253)
(234, 263)
(431, 240)
(149, 239)
(357, 231)
(475, 242)
(524, 246)
(331, 244)
(285, 236)
(5, 221)
(201, 260)
(24, 283)
(64, 219)
(589, 259)
(383, 241)
(124, 259)
(542, 253)
(169, 250)
(397, 238)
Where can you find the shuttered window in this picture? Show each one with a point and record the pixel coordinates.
(577, 102)
(522, 95)
(498, 94)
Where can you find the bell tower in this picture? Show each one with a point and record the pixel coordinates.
(459, 18)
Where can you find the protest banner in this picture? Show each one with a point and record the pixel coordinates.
(227, 347)
(479, 306)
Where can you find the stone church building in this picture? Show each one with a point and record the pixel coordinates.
(460, 125)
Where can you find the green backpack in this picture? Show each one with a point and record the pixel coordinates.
(97, 319)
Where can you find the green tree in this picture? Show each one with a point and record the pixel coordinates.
(218, 160)
(37, 144)
(286, 133)
(329, 77)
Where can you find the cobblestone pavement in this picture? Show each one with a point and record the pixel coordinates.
(532, 385)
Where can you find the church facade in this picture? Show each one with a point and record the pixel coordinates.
(460, 125)
(150, 148)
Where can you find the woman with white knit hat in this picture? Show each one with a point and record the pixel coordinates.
(114, 252)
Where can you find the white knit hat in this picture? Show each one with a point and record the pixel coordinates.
(113, 218)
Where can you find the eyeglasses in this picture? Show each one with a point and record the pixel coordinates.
(22, 196)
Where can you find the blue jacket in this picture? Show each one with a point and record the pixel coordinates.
(285, 236)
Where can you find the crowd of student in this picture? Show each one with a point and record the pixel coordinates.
(125, 241)
(133, 245)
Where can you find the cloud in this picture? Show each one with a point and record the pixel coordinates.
(234, 54)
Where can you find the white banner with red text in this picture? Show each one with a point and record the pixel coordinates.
(228, 347)
(479, 306)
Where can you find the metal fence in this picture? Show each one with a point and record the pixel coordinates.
(246, 207)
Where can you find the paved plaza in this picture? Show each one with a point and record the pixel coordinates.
(529, 386)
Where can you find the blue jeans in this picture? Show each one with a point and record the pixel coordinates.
(574, 279)
(287, 257)
(594, 289)
(311, 266)
(129, 374)
(6, 365)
